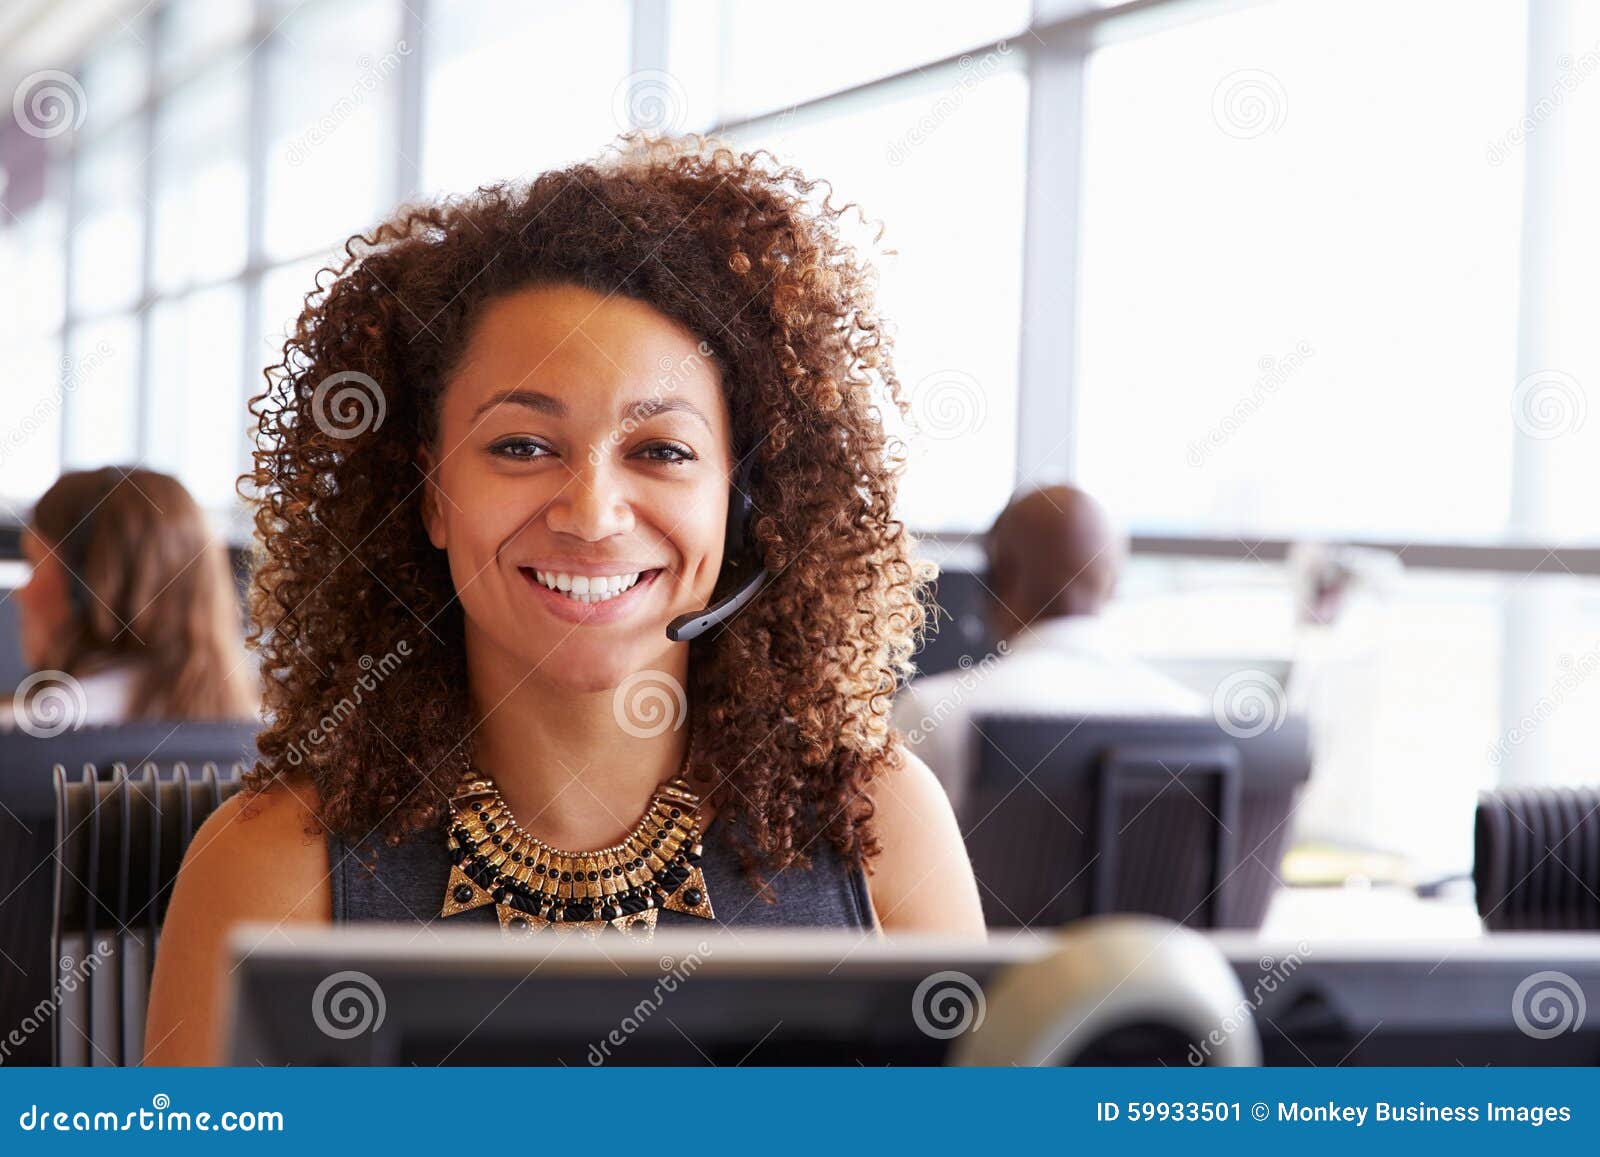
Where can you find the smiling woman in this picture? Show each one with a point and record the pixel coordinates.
(588, 368)
(571, 415)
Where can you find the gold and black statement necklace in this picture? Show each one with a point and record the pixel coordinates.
(534, 886)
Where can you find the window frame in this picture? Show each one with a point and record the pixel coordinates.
(1056, 46)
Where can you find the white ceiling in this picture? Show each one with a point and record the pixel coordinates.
(38, 34)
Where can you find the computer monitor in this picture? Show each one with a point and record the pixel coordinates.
(1517, 998)
(721, 997)
(389, 995)
(1173, 816)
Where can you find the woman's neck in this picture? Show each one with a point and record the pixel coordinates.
(570, 772)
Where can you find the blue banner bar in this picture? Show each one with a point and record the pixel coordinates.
(791, 1110)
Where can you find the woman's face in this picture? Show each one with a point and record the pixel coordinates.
(584, 445)
(44, 612)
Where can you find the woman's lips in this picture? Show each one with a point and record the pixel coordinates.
(592, 614)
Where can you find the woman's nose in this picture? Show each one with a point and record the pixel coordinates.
(593, 505)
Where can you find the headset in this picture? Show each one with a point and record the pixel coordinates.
(739, 552)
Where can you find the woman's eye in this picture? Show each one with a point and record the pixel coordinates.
(523, 449)
(668, 452)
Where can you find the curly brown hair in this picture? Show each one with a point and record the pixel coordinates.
(789, 704)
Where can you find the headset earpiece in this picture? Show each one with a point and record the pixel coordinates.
(741, 526)
(738, 550)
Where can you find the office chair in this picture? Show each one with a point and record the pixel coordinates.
(119, 844)
(28, 818)
(1536, 858)
(1166, 816)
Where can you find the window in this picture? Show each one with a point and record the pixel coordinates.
(201, 195)
(1299, 287)
(108, 238)
(1557, 406)
(507, 97)
(333, 101)
(1329, 266)
(115, 77)
(283, 293)
(102, 393)
(943, 169)
(771, 60)
(197, 422)
(193, 30)
(30, 418)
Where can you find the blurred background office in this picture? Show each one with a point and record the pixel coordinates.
(1301, 291)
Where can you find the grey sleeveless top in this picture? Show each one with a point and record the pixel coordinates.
(406, 885)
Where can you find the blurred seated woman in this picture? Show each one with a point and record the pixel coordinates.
(130, 606)
(508, 455)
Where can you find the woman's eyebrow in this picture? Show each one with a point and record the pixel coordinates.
(638, 411)
(645, 408)
(533, 399)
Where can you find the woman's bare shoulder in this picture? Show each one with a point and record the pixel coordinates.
(260, 858)
(922, 880)
(264, 855)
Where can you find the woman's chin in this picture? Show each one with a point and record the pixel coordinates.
(590, 669)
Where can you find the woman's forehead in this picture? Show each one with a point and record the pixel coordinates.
(580, 348)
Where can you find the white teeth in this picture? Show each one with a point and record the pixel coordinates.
(587, 588)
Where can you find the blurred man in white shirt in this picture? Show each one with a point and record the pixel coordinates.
(1054, 558)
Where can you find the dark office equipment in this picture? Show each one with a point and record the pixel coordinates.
(12, 669)
(120, 842)
(1173, 817)
(374, 995)
(957, 626)
(1490, 1000)
(28, 800)
(1536, 861)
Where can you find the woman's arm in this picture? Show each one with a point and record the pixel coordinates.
(922, 880)
(251, 860)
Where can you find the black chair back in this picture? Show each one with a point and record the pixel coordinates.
(1169, 816)
(27, 848)
(1536, 862)
(119, 845)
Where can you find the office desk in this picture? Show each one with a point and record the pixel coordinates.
(1381, 912)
